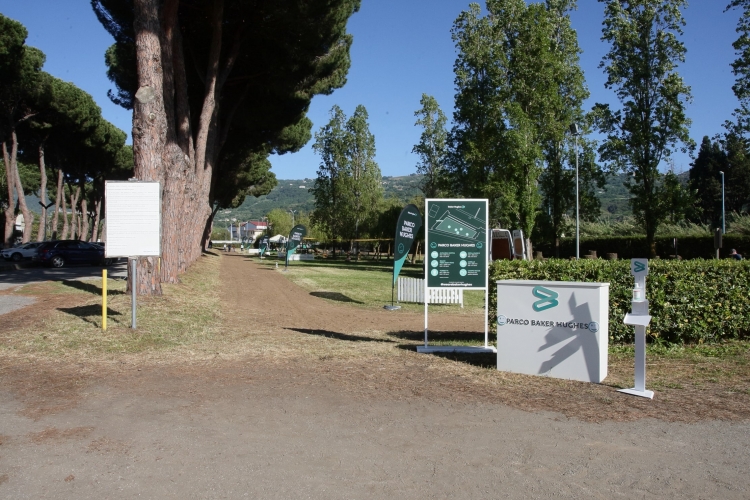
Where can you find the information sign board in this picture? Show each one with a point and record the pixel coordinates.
(456, 239)
(553, 328)
(133, 218)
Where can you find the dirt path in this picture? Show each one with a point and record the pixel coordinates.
(281, 420)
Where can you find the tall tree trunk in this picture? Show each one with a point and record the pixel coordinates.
(149, 124)
(97, 218)
(83, 234)
(74, 226)
(42, 233)
(10, 218)
(64, 215)
(28, 217)
(59, 195)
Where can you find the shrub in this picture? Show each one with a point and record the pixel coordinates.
(692, 301)
(628, 247)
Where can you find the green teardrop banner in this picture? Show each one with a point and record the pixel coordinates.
(408, 225)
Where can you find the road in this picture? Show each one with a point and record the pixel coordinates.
(10, 278)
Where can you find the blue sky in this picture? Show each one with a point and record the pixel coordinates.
(402, 48)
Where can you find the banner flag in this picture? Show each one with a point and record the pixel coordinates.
(408, 225)
(295, 239)
(263, 245)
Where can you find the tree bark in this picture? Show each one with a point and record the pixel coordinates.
(58, 197)
(97, 218)
(83, 234)
(73, 215)
(9, 210)
(64, 215)
(149, 123)
(28, 217)
(42, 234)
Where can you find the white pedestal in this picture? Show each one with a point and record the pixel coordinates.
(556, 329)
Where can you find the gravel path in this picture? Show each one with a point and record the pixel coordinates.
(259, 427)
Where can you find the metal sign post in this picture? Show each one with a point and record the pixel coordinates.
(133, 215)
(457, 242)
(639, 318)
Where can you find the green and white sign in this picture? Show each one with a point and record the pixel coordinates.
(408, 225)
(295, 239)
(456, 243)
(553, 328)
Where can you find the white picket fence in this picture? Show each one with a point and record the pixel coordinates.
(412, 290)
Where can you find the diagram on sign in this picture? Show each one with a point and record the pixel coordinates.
(456, 222)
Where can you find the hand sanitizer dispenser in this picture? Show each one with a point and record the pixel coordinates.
(639, 318)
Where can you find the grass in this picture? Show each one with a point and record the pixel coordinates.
(367, 284)
(187, 315)
(187, 323)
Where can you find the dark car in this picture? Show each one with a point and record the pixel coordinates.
(69, 252)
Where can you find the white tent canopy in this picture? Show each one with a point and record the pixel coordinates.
(277, 239)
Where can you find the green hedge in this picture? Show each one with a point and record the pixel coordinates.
(628, 247)
(692, 301)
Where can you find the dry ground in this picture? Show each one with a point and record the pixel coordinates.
(297, 396)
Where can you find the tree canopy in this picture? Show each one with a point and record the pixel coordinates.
(216, 86)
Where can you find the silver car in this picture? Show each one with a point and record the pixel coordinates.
(25, 251)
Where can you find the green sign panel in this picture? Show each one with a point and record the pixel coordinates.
(456, 243)
(407, 227)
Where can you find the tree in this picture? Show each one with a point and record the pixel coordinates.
(432, 148)
(518, 89)
(729, 154)
(741, 70)
(213, 84)
(280, 222)
(348, 187)
(20, 86)
(641, 67)
(330, 144)
(362, 187)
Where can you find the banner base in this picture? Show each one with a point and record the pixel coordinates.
(391, 308)
(462, 349)
(633, 392)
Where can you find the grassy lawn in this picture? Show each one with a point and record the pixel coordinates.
(186, 315)
(366, 283)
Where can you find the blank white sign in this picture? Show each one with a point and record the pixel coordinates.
(133, 218)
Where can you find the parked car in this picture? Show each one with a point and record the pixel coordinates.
(26, 251)
(64, 252)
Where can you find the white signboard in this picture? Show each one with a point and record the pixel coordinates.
(553, 328)
(133, 218)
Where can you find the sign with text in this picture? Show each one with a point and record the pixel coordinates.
(456, 242)
(133, 218)
(557, 329)
(408, 225)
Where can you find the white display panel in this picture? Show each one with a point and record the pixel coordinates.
(558, 329)
(133, 218)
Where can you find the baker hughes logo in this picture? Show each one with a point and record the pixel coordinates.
(638, 267)
(547, 298)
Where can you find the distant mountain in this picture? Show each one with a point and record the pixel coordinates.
(294, 194)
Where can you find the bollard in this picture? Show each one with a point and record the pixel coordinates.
(104, 299)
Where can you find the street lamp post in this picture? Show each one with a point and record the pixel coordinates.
(292, 212)
(723, 223)
(576, 132)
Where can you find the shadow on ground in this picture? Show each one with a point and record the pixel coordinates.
(438, 336)
(339, 297)
(86, 313)
(480, 360)
(337, 335)
(89, 287)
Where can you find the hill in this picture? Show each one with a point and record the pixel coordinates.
(294, 194)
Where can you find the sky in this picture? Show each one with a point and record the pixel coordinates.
(401, 49)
